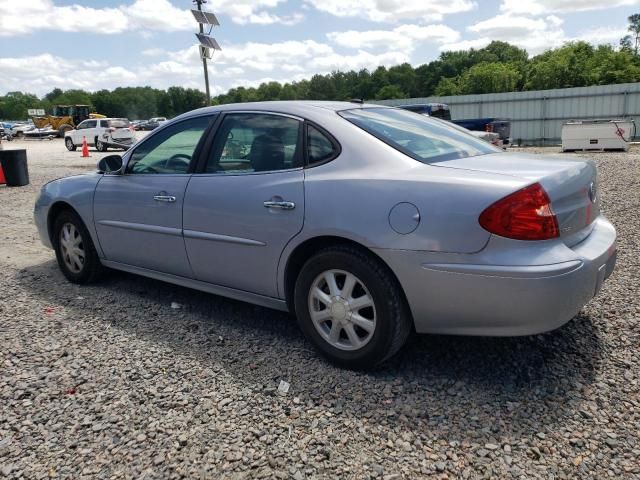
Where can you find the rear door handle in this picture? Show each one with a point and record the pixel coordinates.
(281, 205)
(164, 198)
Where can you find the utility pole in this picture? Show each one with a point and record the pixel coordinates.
(204, 57)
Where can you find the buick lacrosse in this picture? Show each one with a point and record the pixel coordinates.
(366, 222)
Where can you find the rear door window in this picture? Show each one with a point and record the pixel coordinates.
(256, 142)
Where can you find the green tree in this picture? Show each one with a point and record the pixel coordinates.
(448, 86)
(634, 28)
(489, 78)
(389, 92)
(321, 88)
(563, 67)
(14, 105)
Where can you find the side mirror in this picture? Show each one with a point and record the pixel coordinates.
(110, 164)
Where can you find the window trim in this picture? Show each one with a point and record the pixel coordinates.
(215, 117)
(213, 134)
(337, 148)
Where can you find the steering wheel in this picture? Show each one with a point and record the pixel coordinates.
(179, 159)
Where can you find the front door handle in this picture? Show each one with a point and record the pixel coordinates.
(281, 205)
(164, 198)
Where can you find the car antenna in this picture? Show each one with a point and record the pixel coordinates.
(357, 100)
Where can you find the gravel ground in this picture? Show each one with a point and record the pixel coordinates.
(110, 381)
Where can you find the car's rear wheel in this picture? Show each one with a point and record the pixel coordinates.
(68, 142)
(75, 252)
(351, 308)
(100, 145)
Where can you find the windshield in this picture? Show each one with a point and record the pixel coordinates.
(425, 139)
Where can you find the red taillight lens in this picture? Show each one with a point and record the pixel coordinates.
(523, 215)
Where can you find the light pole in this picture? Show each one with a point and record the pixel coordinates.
(204, 57)
(207, 44)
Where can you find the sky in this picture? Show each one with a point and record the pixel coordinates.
(106, 44)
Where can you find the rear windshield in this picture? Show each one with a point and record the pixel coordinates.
(418, 136)
(119, 123)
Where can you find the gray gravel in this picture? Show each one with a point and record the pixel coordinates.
(111, 381)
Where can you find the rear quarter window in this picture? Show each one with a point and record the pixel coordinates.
(425, 139)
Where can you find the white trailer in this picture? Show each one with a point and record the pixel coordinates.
(597, 135)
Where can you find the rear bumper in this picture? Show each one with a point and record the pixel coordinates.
(479, 295)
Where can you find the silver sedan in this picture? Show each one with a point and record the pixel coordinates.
(367, 222)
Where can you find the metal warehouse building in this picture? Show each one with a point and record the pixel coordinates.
(537, 116)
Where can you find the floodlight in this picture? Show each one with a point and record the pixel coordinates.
(207, 41)
(205, 18)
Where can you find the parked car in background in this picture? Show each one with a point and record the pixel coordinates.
(365, 221)
(436, 110)
(501, 127)
(5, 133)
(20, 129)
(152, 123)
(492, 125)
(102, 133)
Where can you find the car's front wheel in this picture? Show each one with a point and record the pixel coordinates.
(100, 145)
(75, 252)
(351, 308)
(68, 142)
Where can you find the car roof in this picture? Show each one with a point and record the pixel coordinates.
(293, 107)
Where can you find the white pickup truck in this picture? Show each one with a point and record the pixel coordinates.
(101, 133)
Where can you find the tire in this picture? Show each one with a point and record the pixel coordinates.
(388, 322)
(100, 146)
(19, 134)
(87, 268)
(68, 142)
(64, 129)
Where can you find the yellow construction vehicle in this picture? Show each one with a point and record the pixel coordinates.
(64, 118)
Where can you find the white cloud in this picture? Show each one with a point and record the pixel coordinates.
(603, 35)
(465, 44)
(255, 11)
(21, 17)
(535, 34)
(393, 10)
(538, 7)
(404, 37)
(246, 64)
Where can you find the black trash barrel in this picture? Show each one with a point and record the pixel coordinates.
(14, 166)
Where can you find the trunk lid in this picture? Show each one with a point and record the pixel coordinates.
(570, 184)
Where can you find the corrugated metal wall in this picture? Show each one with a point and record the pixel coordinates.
(537, 116)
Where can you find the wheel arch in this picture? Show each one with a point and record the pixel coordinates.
(306, 249)
(54, 210)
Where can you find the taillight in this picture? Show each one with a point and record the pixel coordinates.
(522, 215)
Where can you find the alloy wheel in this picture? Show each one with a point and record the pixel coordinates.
(342, 310)
(72, 248)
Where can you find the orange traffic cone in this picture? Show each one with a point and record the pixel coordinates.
(85, 148)
(2, 179)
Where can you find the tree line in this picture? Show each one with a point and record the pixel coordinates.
(498, 67)
(123, 102)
